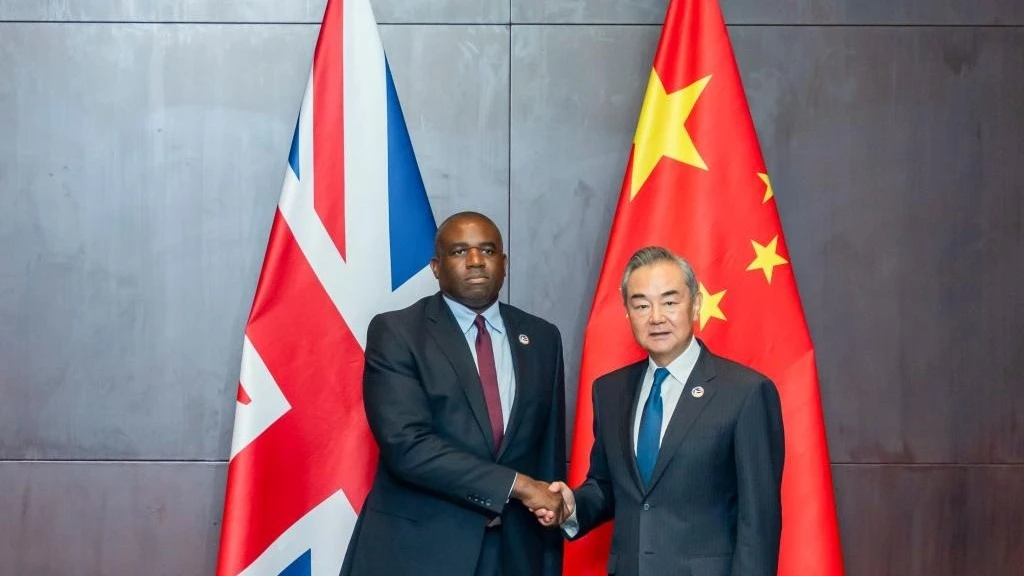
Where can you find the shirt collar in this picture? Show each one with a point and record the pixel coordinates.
(683, 365)
(465, 317)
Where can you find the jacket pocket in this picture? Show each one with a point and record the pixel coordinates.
(404, 515)
(397, 504)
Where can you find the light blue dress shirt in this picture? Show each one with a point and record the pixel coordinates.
(499, 343)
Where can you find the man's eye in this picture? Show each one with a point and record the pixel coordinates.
(488, 251)
(458, 252)
(671, 303)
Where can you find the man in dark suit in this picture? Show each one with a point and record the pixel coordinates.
(688, 446)
(465, 397)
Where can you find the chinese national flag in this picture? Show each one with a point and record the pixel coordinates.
(696, 183)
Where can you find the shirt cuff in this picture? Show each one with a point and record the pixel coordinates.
(508, 497)
(571, 526)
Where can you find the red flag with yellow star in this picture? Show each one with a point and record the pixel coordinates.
(696, 183)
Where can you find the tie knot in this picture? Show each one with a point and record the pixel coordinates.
(659, 376)
(480, 323)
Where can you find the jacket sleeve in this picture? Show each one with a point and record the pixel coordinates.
(759, 452)
(595, 498)
(400, 419)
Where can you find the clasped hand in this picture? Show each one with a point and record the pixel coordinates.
(551, 503)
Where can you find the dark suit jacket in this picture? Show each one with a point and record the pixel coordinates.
(439, 482)
(713, 507)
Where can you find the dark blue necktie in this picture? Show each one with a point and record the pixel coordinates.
(649, 438)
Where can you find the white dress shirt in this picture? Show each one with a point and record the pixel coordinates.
(671, 389)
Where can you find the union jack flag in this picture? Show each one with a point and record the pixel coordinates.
(352, 236)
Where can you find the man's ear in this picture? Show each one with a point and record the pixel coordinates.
(434, 263)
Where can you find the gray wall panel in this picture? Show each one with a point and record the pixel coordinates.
(895, 158)
(110, 518)
(588, 11)
(162, 10)
(927, 520)
(141, 188)
(252, 11)
(454, 85)
(892, 12)
(442, 11)
(576, 93)
(140, 181)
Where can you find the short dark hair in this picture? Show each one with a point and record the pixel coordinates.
(468, 214)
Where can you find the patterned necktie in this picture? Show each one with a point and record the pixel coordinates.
(489, 380)
(649, 438)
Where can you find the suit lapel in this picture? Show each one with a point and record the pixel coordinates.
(627, 420)
(445, 330)
(525, 386)
(688, 409)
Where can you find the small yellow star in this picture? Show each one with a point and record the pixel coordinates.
(709, 307)
(661, 130)
(767, 258)
(768, 194)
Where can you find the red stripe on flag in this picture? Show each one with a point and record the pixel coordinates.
(329, 127)
(242, 397)
(323, 443)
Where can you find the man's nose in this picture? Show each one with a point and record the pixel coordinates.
(474, 257)
(657, 315)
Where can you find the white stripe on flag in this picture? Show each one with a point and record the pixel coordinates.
(266, 402)
(325, 530)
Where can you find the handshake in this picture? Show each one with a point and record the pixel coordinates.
(551, 503)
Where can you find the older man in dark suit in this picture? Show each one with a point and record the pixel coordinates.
(688, 446)
(465, 397)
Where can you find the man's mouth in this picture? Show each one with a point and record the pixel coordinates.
(477, 280)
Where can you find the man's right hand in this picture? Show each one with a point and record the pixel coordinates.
(536, 495)
(552, 517)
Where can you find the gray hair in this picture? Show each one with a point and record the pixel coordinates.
(652, 255)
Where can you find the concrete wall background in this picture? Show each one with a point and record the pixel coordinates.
(142, 146)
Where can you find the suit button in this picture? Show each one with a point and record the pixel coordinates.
(647, 506)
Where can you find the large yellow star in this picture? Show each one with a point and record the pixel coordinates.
(766, 258)
(767, 187)
(709, 307)
(661, 130)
